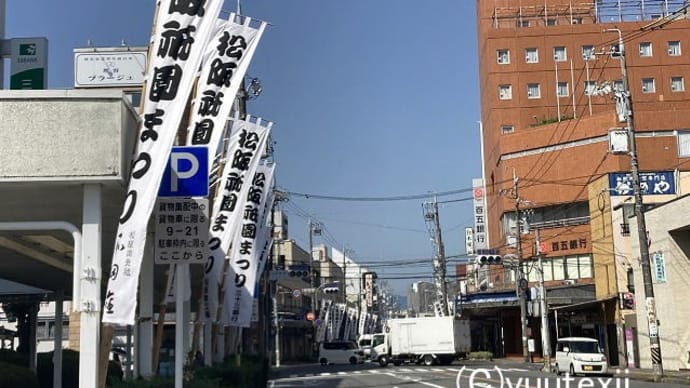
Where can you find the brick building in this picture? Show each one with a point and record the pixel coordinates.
(546, 123)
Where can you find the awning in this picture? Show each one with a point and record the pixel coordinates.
(583, 305)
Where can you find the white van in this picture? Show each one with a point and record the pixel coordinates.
(340, 353)
(579, 355)
(364, 344)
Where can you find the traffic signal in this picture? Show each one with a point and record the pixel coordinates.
(489, 259)
(299, 273)
(331, 290)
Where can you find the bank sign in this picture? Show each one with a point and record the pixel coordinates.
(29, 63)
(651, 183)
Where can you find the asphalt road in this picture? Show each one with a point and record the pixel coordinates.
(471, 374)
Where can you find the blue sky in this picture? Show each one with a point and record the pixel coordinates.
(370, 98)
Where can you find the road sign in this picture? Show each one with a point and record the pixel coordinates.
(186, 174)
(296, 293)
(310, 316)
(181, 230)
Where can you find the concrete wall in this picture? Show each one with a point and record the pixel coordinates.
(669, 232)
(65, 134)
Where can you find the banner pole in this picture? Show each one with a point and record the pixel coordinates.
(179, 324)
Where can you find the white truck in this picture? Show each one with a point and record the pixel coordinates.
(426, 340)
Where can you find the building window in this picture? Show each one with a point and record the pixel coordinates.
(618, 85)
(507, 129)
(577, 20)
(674, 48)
(562, 89)
(522, 23)
(648, 85)
(533, 91)
(559, 54)
(551, 22)
(531, 55)
(646, 49)
(505, 92)
(659, 267)
(677, 84)
(588, 52)
(684, 144)
(590, 88)
(503, 56)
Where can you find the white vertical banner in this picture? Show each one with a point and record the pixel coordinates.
(247, 144)
(182, 30)
(227, 59)
(323, 317)
(246, 250)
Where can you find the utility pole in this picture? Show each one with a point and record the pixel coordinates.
(626, 109)
(519, 271)
(545, 333)
(311, 264)
(344, 276)
(433, 223)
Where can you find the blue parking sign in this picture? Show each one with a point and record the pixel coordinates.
(186, 174)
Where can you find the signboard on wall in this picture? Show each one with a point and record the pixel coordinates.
(651, 183)
(109, 67)
(29, 63)
(480, 225)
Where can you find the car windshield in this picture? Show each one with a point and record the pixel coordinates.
(364, 342)
(584, 347)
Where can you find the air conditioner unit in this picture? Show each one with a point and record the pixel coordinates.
(644, 88)
(529, 93)
(671, 51)
(674, 88)
(569, 282)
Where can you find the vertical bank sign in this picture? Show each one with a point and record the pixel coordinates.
(182, 30)
(479, 214)
(29, 62)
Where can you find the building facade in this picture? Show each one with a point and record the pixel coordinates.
(548, 72)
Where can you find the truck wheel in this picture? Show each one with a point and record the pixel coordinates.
(353, 361)
(323, 361)
(428, 360)
(383, 361)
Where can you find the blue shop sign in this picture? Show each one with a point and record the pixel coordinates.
(651, 183)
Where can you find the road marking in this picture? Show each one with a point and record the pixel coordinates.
(404, 370)
(422, 370)
(325, 374)
(515, 370)
(437, 369)
(419, 381)
(358, 372)
(341, 373)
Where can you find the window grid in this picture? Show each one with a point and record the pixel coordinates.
(590, 87)
(646, 49)
(648, 85)
(531, 55)
(505, 129)
(674, 48)
(588, 52)
(505, 92)
(562, 89)
(684, 144)
(503, 56)
(560, 54)
(533, 91)
(677, 84)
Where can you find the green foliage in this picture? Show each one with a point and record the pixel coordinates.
(550, 120)
(12, 375)
(481, 356)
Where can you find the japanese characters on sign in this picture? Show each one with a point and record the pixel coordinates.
(480, 241)
(226, 61)
(123, 67)
(181, 231)
(247, 143)
(183, 28)
(247, 246)
(564, 245)
(651, 183)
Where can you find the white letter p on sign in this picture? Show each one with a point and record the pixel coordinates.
(176, 157)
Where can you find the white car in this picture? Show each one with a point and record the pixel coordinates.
(364, 344)
(579, 355)
(340, 353)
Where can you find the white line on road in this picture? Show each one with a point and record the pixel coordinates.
(325, 374)
(422, 370)
(404, 370)
(437, 369)
(419, 381)
(341, 373)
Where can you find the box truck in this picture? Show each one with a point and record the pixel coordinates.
(426, 340)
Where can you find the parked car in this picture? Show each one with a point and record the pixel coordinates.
(579, 355)
(343, 352)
